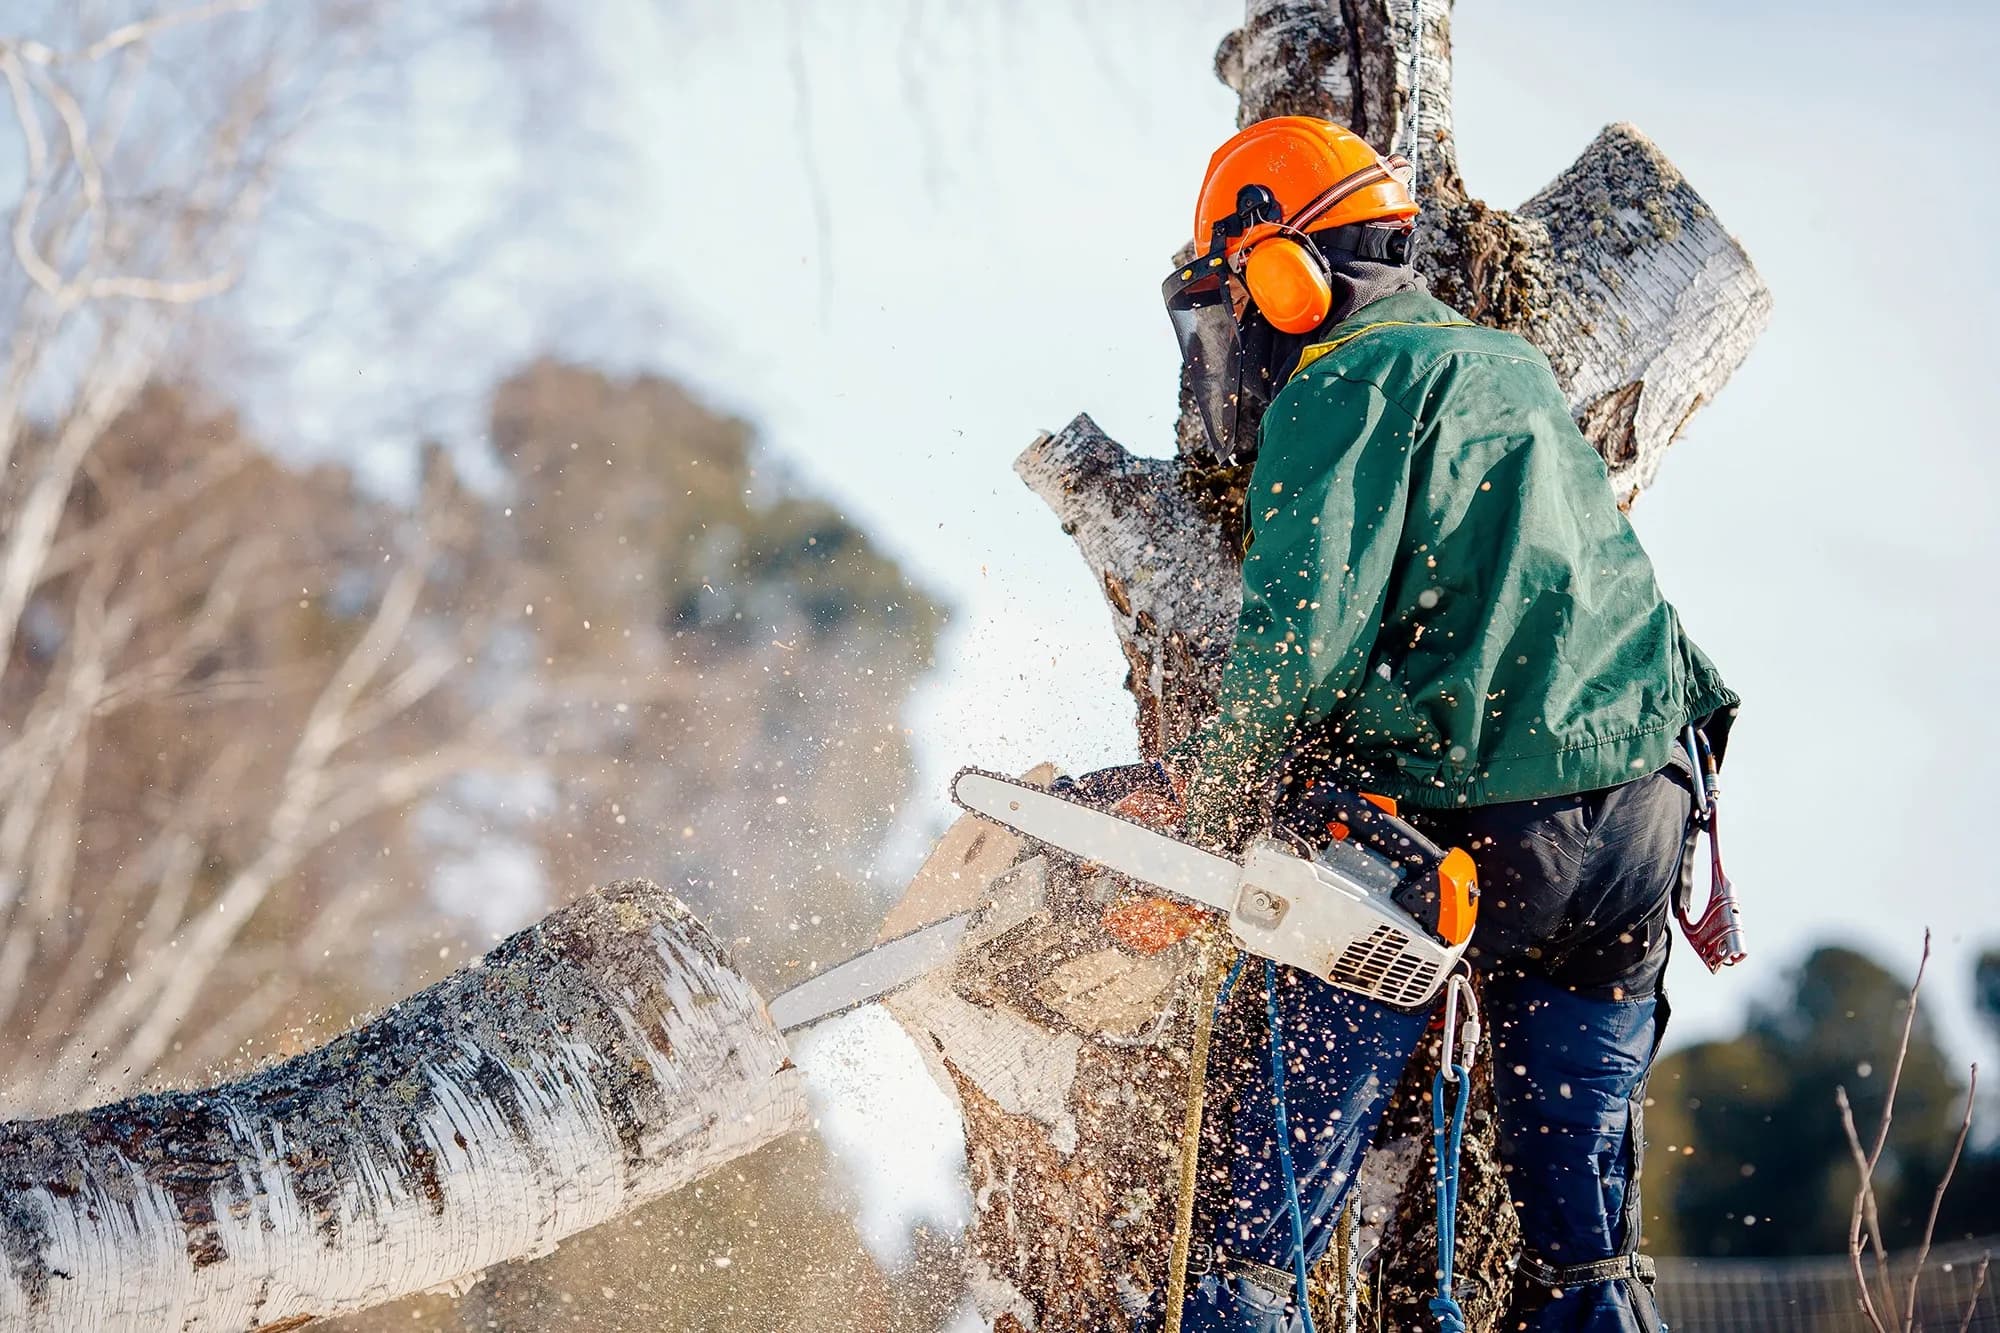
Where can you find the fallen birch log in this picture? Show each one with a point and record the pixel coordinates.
(588, 1064)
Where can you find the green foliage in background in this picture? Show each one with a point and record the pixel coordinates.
(1745, 1151)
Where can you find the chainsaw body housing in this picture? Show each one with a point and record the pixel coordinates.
(1335, 919)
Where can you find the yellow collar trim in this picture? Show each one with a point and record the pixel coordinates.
(1318, 350)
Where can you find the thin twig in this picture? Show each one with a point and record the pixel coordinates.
(1865, 1163)
(1978, 1286)
(1937, 1201)
(35, 148)
(140, 30)
(1855, 1248)
(1888, 1115)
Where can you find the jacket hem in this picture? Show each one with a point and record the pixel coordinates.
(1566, 772)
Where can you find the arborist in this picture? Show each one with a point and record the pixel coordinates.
(1442, 604)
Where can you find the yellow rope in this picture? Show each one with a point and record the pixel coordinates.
(1177, 1258)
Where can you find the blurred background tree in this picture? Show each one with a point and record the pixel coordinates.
(278, 747)
(1745, 1155)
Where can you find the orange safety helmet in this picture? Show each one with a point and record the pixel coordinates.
(1279, 198)
(1316, 176)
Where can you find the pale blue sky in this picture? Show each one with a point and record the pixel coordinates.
(904, 235)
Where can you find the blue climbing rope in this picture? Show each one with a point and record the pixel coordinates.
(1229, 982)
(1447, 1137)
(1285, 1142)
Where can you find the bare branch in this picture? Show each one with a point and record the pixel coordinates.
(141, 30)
(1937, 1200)
(164, 988)
(35, 148)
(1978, 1289)
(1863, 1199)
(89, 173)
(112, 381)
(128, 521)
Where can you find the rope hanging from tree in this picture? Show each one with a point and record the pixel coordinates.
(1412, 127)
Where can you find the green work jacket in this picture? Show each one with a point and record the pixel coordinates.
(1440, 581)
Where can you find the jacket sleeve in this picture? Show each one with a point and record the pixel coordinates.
(1325, 505)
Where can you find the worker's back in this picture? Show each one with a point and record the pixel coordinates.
(1514, 640)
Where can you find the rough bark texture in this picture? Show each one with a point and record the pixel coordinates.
(594, 1061)
(1070, 1056)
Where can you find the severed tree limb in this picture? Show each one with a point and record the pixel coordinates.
(594, 1061)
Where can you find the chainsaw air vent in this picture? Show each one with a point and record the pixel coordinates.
(1382, 966)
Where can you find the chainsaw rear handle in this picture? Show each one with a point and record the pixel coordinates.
(1440, 888)
(1326, 806)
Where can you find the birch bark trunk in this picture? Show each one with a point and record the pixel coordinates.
(594, 1061)
(1070, 1057)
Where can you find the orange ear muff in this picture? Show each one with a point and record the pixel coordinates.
(1289, 285)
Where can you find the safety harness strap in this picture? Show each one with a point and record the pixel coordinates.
(1638, 1267)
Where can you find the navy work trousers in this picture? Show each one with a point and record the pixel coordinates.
(1571, 944)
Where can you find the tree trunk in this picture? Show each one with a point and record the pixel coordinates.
(1071, 1057)
(588, 1064)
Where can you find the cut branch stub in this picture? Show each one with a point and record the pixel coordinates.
(590, 1063)
(1160, 556)
(1651, 303)
(1311, 58)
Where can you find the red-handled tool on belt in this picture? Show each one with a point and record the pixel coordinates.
(1717, 934)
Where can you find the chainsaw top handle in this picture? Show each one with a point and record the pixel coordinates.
(1439, 888)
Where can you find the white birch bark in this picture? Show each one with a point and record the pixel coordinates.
(1068, 1055)
(590, 1063)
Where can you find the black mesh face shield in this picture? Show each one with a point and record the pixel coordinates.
(1228, 358)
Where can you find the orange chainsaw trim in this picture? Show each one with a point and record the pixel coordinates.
(1458, 878)
(1458, 896)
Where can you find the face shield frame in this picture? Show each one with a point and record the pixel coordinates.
(1229, 349)
(1225, 343)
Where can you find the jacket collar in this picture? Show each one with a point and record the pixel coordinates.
(1403, 308)
(1415, 306)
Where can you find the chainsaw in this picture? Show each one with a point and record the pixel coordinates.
(1365, 903)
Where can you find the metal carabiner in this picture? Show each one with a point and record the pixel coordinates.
(1460, 983)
